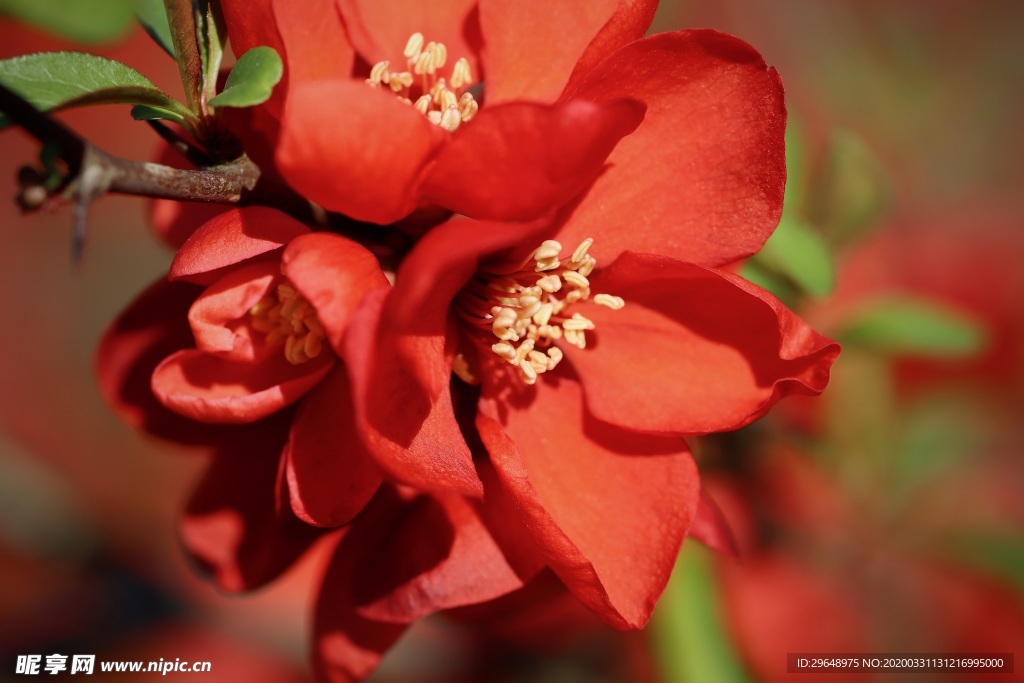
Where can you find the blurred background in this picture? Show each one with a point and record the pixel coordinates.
(885, 516)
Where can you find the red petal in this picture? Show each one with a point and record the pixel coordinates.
(234, 525)
(219, 315)
(711, 528)
(531, 46)
(608, 508)
(354, 149)
(438, 556)
(702, 178)
(519, 160)
(412, 434)
(716, 350)
(346, 645)
(307, 35)
(152, 327)
(630, 22)
(233, 236)
(332, 273)
(210, 389)
(380, 30)
(330, 475)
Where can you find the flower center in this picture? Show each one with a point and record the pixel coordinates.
(285, 316)
(528, 309)
(444, 103)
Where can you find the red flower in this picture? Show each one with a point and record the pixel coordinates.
(260, 336)
(557, 81)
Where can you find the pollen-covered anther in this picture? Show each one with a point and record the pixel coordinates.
(448, 104)
(286, 316)
(527, 317)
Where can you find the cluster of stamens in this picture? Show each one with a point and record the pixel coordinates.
(530, 307)
(439, 100)
(286, 316)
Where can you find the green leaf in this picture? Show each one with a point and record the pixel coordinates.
(799, 253)
(60, 80)
(252, 79)
(141, 112)
(152, 15)
(689, 638)
(852, 190)
(83, 21)
(913, 326)
(210, 28)
(997, 553)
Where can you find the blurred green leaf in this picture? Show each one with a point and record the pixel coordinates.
(689, 637)
(252, 79)
(796, 167)
(798, 253)
(999, 554)
(766, 278)
(60, 80)
(913, 326)
(152, 15)
(852, 190)
(83, 21)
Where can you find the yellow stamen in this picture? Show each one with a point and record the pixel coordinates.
(285, 316)
(448, 104)
(526, 316)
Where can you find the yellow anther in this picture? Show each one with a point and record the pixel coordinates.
(612, 302)
(524, 349)
(425, 64)
(548, 249)
(575, 279)
(554, 356)
(449, 101)
(439, 54)
(379, 73)
(434, 117)
(461, 368)
(577, 323)
(587, 266)
(543, 315)
(468, 106)
(550, 283)
(423, 104)
(413, 47)
(450, 119)
(529, 373)
(505, 350)
(460, 73)
(438, 90)
(581, 251)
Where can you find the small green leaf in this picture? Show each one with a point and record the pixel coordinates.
(690, 639)
(83, 21)
(913, 327)
(252, 79)
(60, 80)
(800, 254)
(212, 34)
(141, 112)
(152, 15)
(851, 191)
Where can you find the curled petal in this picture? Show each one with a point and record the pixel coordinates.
(702, 178)
(235, 526)
(332, 273)
(517, 161)
(152, 327)
(411, 432)
(716, 350)
(608, 508)
(438, 556)
(231, 237)
(355, 150)
(330, 475)
(711, 528)
(210, 389)
(219, 315)
(628, 23)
